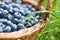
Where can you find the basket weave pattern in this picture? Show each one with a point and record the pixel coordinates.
(28, 33)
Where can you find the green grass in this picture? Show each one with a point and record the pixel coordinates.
(51, 31)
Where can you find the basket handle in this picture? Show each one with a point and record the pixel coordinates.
(38, 5)
(49, 6)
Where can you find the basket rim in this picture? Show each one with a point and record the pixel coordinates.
(22, 32)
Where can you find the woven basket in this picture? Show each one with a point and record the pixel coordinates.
(29, 33)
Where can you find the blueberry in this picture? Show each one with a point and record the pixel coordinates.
(32, 22)
(20, 20)
(2, 5)
(10, 11)
(10, 5)
(21, 8)
(22, 12)
(15, 21)
(28, 12)
(17, 15)
(6, 7)
(4, 21)
(7, 29)
(7, 1)
(11, 8)
(16, 5)
(28, 24)
(36, 20)
(5, 13)
(22, 17)
(1, 29)
(1, 14)
(32, 17)
(2, 25)
(32, 9)
(15, 9)
(29, 6)
(37, 15)
(20, 26)
(26, 9)
(28, 20)
(8, 23)
(10, 17)
(23, 21)
(1, 20)
(18, 1)
(1, 9)
(14, 27)
(23, 5)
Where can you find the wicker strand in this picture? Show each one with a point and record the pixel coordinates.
(31, 2)
(49, 4)
(39, 6)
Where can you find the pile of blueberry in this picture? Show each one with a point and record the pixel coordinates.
(12, 16)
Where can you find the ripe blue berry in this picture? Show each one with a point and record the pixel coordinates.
(20, 26)
(2, 25)
(5, 13)
(1, 14)
(7, 29)
(28, 12)
(37, 15)
(10, 11)
(6, 7)
(28, 20)
(32, 22)
(4, 21)
(22, 17)
(24, 6)
(14, 27)
(18, 1)
(10, 17)
(2, 5)
(15, 9)
(7, 1)
(15, 21)
(29, 6)
(17, 15)
(32, 9)
(1, 29)
(22, 12)
(28, 24)
(1, 9)
(1, 20)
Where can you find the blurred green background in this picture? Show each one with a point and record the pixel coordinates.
(51, 31)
